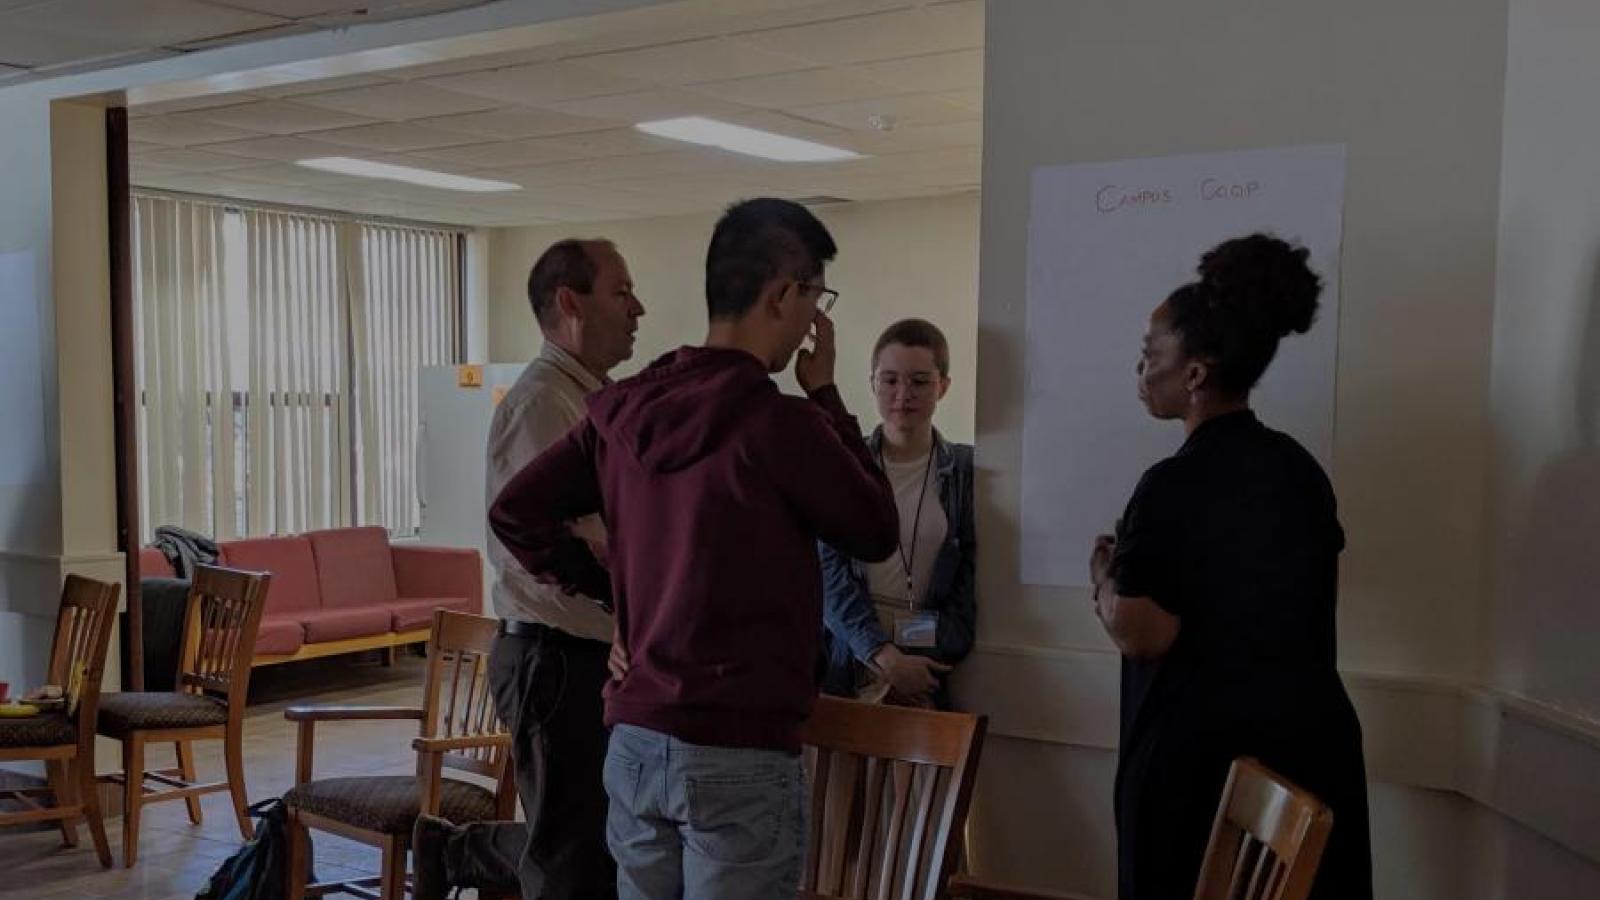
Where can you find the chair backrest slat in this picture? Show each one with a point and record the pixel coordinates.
(888, 787)
(220, 627)
(1267, 839)
(457, 701)
(78, 650)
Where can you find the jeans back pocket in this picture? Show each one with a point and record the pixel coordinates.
(738, 818)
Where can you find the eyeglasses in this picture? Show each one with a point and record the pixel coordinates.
(916, 383)
(826, 296)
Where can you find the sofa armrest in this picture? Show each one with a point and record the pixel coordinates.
(422, 571)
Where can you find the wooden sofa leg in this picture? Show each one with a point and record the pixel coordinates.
(389, 656)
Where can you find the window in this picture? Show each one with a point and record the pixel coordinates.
(277, 365)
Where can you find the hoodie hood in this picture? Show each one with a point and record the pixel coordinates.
(680, 409)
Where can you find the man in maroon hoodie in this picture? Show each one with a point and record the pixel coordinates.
(714, 487)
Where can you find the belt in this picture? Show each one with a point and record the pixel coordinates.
(542, 632)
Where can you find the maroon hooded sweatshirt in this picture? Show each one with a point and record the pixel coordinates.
(715, 488)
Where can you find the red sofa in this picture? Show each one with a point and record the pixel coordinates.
(346, 589)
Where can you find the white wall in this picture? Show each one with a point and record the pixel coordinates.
(1546, 386)
(896, 259)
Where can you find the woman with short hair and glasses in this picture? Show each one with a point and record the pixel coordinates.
(897, 627)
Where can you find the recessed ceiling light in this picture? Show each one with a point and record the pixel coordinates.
(739, 139)
(345, 165)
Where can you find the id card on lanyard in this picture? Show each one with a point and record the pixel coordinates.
(916, 629)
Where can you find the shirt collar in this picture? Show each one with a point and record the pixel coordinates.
(553, 354)
(944, 459)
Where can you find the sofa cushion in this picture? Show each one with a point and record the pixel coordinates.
(279, 634)
(342, 623)
(153, 564)
(293, 567)
(410, 614)
(354, 567)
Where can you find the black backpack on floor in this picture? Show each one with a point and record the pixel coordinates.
(260, 870)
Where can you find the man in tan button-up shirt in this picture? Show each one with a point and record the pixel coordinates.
(549, 664)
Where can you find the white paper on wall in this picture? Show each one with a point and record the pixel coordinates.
(1107, 242)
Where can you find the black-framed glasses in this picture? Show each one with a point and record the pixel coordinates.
(826, 296)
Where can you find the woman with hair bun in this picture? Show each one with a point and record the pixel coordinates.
(1220, 584)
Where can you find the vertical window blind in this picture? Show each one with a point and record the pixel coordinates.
(277, 357)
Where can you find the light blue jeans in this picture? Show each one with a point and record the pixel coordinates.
(705, 823)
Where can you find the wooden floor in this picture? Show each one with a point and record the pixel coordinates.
(177, 858)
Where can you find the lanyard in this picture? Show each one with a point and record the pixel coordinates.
(908, 559)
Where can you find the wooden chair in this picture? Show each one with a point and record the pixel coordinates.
(458, 728)
(64, 740)
(890, 787)
(1265, 844)
(213, 685)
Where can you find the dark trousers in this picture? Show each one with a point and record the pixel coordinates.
(547, 690)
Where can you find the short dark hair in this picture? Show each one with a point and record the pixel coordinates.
(567, 263)
(1253, 291)
(916, 333)
(756, 241)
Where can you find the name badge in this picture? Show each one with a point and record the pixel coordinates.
(916, 630)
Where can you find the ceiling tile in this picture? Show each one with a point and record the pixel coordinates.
(320, 85)
(712, 59)
(401, 137)
(615, 142)
(185, 160)
(783, 123)
(281, 117)
(590, 195)
(283, 149)
(397, 101)
(907, 109)
(584, 171)
(508, 154)
(906, 138)
(382, 12)
(883, 36)
(515, 123)
(294, 176)
(187, 104)
(487, 62)
(129, 26)
(718, 190)
(972, 99)
(300, 9)
(213, 185)
(961, 70)
(29, 45)
(286, 29)
(539, 84)
(792, 89)
(646, 106)
(183, 129)
(678, 164)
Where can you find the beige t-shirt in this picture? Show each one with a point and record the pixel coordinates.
(540, 409)
(919, 540)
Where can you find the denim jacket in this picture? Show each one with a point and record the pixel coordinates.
(854, 632)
